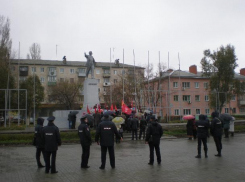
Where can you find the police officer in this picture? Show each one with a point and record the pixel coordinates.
(153, 134)
(217, 130)
(202, 134)
(85, 140)
(51, 139)
(39, 143)
(105, 138)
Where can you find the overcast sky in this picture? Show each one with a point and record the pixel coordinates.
(77, 26)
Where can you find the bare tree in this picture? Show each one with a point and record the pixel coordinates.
(65, 93)
(35, 51)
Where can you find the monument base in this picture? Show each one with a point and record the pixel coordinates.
(90, 93)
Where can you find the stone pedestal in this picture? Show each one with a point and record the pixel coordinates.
(91, 94)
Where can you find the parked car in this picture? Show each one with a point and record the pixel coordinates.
(1, 119)
(15, 119)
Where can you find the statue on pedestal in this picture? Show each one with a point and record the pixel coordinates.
(90, 64)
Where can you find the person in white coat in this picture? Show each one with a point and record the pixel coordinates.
(231, 130)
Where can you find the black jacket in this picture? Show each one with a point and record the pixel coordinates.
(155, 131)
(38, 135)
(105, 133)
(134, 124)
(202, 128)
(143, 124)
(216, 127)
(51, 137)
(84, 134)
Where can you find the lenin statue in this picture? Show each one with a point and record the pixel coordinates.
(90, 64)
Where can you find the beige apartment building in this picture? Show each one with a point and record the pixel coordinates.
(50, 72)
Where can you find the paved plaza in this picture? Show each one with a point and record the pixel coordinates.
(178, 163)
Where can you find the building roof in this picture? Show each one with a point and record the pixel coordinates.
(70, 63)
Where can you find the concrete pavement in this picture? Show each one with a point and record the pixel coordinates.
(178, 163)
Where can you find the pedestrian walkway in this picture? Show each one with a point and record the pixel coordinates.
(178, 163)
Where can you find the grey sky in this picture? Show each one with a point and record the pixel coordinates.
(78, 26)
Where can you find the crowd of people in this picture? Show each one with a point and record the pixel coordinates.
(47, 139)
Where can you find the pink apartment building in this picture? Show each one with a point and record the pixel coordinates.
(182, 93)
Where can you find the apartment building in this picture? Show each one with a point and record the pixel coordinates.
(183, 93)
(50, 72)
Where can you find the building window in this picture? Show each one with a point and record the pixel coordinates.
(175, 84)
(123, 72)
(115, 80)
(98, 80)
(62, 70)
(196, 84)
(72, 71)
(186, 84)
(106, 80)
(52, 78)
(115, 72)
(33, 69)
(97, 71)
(233, 97)
(176, 112)
(176, 98)
(226, 110)
(234, 110)
(198, 111)
(22, 78)
(98, 89)
(106, 71)
(42, 80)
(197, 98)
(42, 70)
(187, 111)
(206, 111)
(71, 80)
(205, 85)
(206, 98)
(242, 109)
(62, 79)
(186, 98)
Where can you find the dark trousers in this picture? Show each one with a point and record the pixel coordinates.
(134, 132)
(49, 154)
(142, 131)
(38, 154)
(226, 133)
(199, 146)
(85, 155)
(111, 155)
(158, 154)
(73, 124)
(218, 143)
(194, 134)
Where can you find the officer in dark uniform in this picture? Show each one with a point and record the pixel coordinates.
(202, 134)
(39, 143)
(51, 139)
(85, 140)
(153, 134)
(134, 127)
(105, 138)
(217, 130)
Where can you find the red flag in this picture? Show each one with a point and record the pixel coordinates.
(88, 111)
(111, 107)
(99, 109)
(115, 108)
(126, 110)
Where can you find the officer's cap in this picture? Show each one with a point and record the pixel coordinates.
(51, 118)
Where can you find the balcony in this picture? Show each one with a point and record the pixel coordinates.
(242, 102)
(106, 75)
(52, 73)
(81, 74)
(106, 84)
(51, 83)
(23, 71)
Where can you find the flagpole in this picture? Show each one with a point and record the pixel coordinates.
(19, 87)
(148, 80)
(179, 89)
(110, 78)
(123, 74)
(134, 83)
